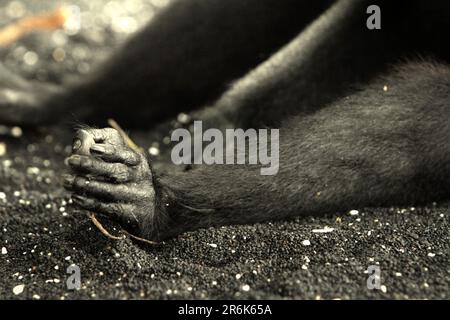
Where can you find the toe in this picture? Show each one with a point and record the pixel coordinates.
(112, 153)
(118, 211)
(115, 172)
(103, 190)
(107, 134)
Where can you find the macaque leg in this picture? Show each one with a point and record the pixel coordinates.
(320, 65)
(386, 144)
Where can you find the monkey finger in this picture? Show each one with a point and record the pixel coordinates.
(117, 211)
(115, 172)
(111, 153)
(102, 190)
(105, 135)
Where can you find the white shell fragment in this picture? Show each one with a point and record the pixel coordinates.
(18, 289)
(324, 230)
(306, 242)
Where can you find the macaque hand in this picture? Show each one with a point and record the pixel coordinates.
(110, 178)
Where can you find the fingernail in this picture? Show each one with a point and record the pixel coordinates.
(74, 160)
(76, 198)
(76, 145)
(68, 180)
(98, 149)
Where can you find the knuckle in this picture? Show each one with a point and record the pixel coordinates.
(83, 202)
(110, 149)
(116, 208)
(79, 182)
(79, 132)
(85, 162)
(120, 174)
(145, 193)
(132, 157)
(111, 132)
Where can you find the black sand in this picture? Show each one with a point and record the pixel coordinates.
(41, 234)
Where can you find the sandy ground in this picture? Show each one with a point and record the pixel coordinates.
(41, 234)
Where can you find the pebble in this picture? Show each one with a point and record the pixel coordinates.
(183, 118)
(33, 170)
(16, 9)
(153, 151)
(324, 230)
(4, 251)
(245, 287)
(166, 140)
(354, 212)
(306, 242)
(16, 132)
(7, 163)
(31, 58)
(18, 289)
(2, 149)
(383, 288)
(431, 255)
(213, 245)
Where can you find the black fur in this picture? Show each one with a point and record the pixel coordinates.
(363, 119)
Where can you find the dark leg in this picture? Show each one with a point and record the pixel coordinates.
(325, 61)
(21, 100)
(374, 147)
(183, 59)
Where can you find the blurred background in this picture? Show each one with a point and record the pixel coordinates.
(55, 54)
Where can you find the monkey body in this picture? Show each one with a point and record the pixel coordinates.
(361, 121)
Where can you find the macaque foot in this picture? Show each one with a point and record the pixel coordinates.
(110, 178)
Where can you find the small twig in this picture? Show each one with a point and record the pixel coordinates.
(139, 238)
(102, 229)
(47, 21)
(125, 136)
